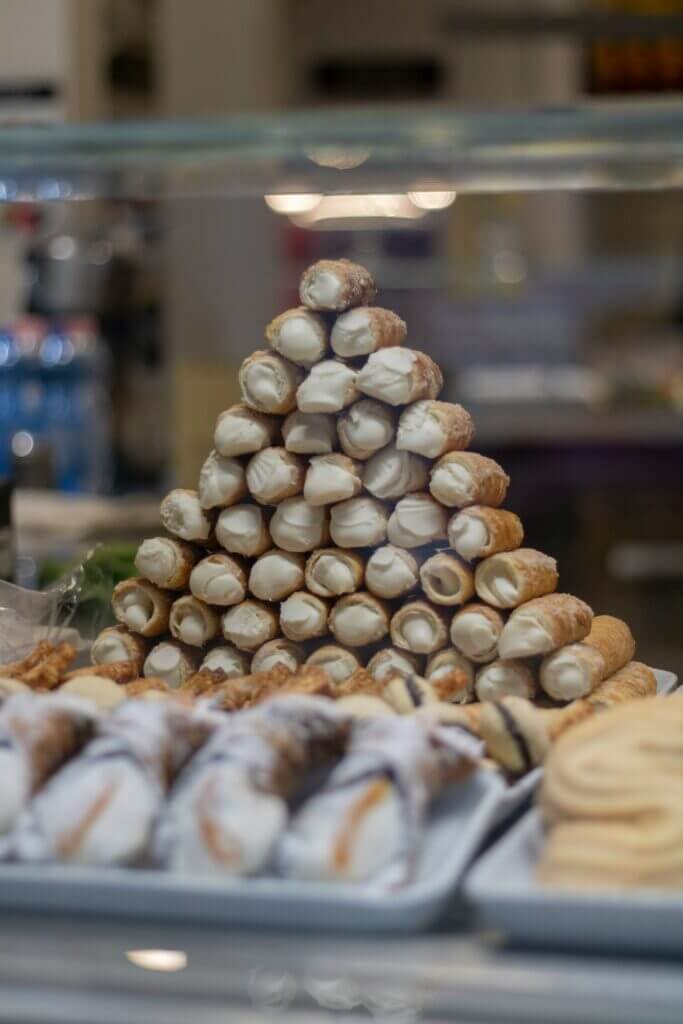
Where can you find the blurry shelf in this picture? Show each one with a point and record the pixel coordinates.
(636, 145)
(499, 425)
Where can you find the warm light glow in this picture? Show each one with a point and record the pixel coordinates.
(293, 203)
(158, 959)
(432, 200)
(337, 157)
(361, 207)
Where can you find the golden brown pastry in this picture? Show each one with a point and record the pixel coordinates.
(460, 479)
(268, 382)
(543, 625)
(419, 627)
(480, 531)
(193, 622)
(575, 670)
(391, 572)
(433, 428)
(277, 652)
(398, 376)
(299, 335)
(364, 330)
(336, 285)
(333, 572)
(166, 562)
(219, 579)
(117, 643)
(444, 663)
(446, 580)
(172, 662)
(504, 678)
(510, 578)
(391, 662)
(359, 619)
(141, 606)
(476, 630)
(304, 616)
(338, 663)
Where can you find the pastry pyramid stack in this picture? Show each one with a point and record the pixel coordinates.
(340, 521)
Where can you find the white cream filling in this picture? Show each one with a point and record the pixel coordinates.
(357, 523)
(263, 384)
(357, 625)
(300, 341)
(367, 427)
(443, 580)
(156, 559)
(137, 609)
(327, 482)
(352, 334)
(322, 290)
(165, 661)
(453, 485)
(333, 575)
(108, 648)
(391, 663)
(496, 585)
(474, 635)
(268, 661)
(388, 574)
(312, 433)
(238, 435)
(468, 535)
(419, 431)
(182, 515)
(221, 481)
(239, 529)
(298, 526)
(189, 626)
(328, 387)
(214, 583)
(301, 616)
(391, 473)
(228, 660)
(415, 521)
(269, 473)
(565, 678)
(246, 626)
(524, 636)
(387, 375)
(274, 576)
(418, 633)
(443, 666)
(496, 680)
(336, 663)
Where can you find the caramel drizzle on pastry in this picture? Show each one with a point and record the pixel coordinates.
(373, 795)
(71, 840)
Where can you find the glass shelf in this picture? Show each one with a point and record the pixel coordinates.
(616, 146)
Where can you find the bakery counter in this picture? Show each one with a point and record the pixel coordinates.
(56, 969)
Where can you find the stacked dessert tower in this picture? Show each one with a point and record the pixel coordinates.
(340, 521)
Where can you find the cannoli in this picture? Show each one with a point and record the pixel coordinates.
(250, 625)
(104, 693)
(298, 526)
(405, 694)
(241, 430)
(332, 572)
(299, 335)
(444, 662)
(229, 807)
(336, 285)
(329, 387)
(219, 579)
(116, 643)
(446, 579)
(364, 705)
(276, 575)
(243, 530)
(37, 735)
(360, 682)
(390, 473)
(391, 662)
(303, 616)
(359, 523)
(510, 578)
(277, 652)
(480, 531)
(268, 382)
(366, 427)
(460, 479)
(174, 663)
(49, 673)
(398, 376)
(193, 622)
(359, 619)
(382, 788)
(39, 653)
(310, 433)
(166, 562)
(417, 519)
(505, 678)
(366, 329)
(391, 572)
(462, 716)
(332, 478)
(149, 689)
(419, 627)
(476, 630)
(229, 661)
(141, 606)
(631, 682)
(433, 428)
(182, 515)
(233, 693)
(118, 671)
(336, 662)
(275, 474)
(221, 481)
(307, 681)
(575, 670)
(512, 729)
(543, 625)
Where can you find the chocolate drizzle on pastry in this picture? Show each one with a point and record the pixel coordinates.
(517, 736)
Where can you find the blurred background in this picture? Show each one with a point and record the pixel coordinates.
(556, 315)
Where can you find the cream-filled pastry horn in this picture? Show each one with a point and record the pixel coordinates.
(277, 652)
(241, 430)
(417, 519)
(510, 578)
(221, 481)
(359, 619)
(182, 515)
(243, 530)
(399, 376)
(359, 523)
(227, 660)
(275, 474)
(336, 285)
(514, 734)
(336, 662)
(303, 616)
(390, 473)
(365, 427)
(460, 479)
(268, 382)
(166, 562)
(298, 526)
(276, 575)
(544, 624)
(444, 664)
(310, 433)
(332, 478)
(406, 693)
(250, 625)
(332, 572)
(391, 572)
(172, 662)
(193, 622)
(480, 531)
(117, 643)
(391, 662)
(432, 428)
(299, 335)
(505, 678)
(141, 606)
(364, 330)
(446, 579)
(575, 671)
(420, 628)
(219, 579)
(476, 631)
(329, 387)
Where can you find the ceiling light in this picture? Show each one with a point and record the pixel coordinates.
(432, 200)
(361, 207)
(293, 203)
(158, 959)
(338, 157)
